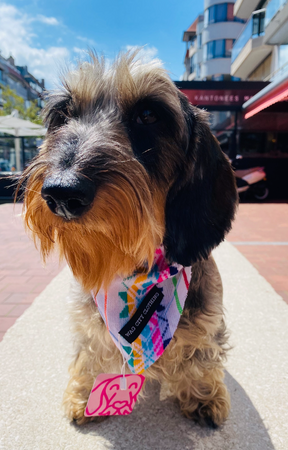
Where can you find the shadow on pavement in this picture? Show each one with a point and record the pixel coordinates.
(159, 425)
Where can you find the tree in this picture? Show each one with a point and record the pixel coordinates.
(13, 101)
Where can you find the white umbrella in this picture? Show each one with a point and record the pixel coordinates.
(19, 127)
(16, 127)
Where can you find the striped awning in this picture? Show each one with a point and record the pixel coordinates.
(275, 92)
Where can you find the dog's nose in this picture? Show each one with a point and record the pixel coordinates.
(68, 196)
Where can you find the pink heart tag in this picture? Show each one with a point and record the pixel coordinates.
(110, 397)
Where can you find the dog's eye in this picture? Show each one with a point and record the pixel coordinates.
(146, 117)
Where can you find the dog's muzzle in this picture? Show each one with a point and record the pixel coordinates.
(67, 195)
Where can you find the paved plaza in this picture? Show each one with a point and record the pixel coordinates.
(22, 275)
(260, 233)
(35, 354)
(36, 351)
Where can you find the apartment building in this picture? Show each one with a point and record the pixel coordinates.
(29, 89)
(249, 117)
(21, 80)
(261, 50)
(260, 53)
(194, 50)
(209, 41)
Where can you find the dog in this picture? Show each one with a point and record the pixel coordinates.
(129, 165)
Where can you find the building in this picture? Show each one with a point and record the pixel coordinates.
(194, 50)
(261, 50)
(261, 54)
(22, 81)
(29, 89)
(249, 117)
(209, 41)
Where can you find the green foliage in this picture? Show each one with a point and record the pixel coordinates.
(13, 101)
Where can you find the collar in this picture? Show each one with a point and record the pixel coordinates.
(141, 312)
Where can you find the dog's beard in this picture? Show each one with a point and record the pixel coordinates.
(118, 235)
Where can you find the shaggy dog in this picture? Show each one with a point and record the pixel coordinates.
(128, 164)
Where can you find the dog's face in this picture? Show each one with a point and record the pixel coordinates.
(127, 164)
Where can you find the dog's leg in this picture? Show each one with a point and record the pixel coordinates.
(192, 364)
(197, 380)
(96, 353)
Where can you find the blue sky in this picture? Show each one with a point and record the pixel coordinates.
(47, 34)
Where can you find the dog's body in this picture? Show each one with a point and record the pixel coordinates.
(127, 165)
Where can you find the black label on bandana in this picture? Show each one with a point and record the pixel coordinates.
(139, 320)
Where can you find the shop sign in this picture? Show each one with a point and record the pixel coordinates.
(220, 97)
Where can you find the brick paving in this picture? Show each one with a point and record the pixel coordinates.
(259, 226)
(22, 276)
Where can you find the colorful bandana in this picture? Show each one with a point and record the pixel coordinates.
(158, 296)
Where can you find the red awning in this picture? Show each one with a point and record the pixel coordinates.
(275, 92)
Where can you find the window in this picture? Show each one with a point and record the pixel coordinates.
(217, 77)
(199, 41)
(1, 78)
(221, 48)
(220, 13)
(211, 14)
(228, 47)
(262, 24)
(192, 42)
(192, 64)
(210, 50)
(258, 24)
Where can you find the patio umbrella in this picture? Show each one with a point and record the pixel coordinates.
(18, 128)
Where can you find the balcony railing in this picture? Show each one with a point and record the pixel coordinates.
(253, 29)
(272, 8)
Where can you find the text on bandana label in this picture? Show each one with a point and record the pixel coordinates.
(139, 320)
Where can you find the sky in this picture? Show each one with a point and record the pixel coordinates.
(47, 35)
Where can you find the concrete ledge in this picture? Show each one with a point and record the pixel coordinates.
(36, 351)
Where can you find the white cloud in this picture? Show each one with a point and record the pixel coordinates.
(80, 51)
(17, 38)
(87, 41)
(47, 20)
(146, 54)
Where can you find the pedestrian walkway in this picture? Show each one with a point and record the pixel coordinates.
(35, 354)
(260, 233)
(22, 275)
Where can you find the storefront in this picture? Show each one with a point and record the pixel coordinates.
(29, 148)
(19, 143)
(260, 138)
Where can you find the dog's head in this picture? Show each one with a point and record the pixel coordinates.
(127, 164)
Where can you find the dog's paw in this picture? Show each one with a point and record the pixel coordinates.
(212, 413)
(210, 416)
(74, 407)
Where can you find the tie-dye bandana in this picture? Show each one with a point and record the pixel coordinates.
(118, 306)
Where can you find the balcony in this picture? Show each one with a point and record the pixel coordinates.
(249, 49)
(276, 22)
(244, 8)
(192, 49)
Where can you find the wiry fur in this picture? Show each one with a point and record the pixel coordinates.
(166, 183)
(191, 366)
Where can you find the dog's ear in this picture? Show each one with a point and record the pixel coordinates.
(201, 203)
